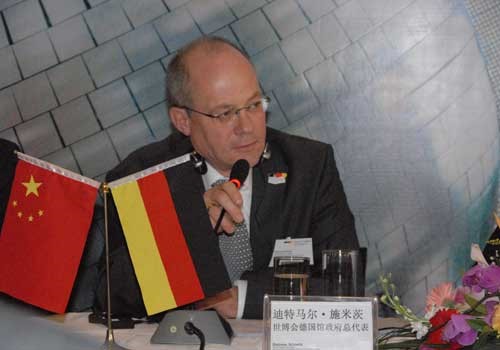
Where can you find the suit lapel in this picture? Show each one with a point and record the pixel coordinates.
(267, 202)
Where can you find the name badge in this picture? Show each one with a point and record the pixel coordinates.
(293, 247)
(320, 323)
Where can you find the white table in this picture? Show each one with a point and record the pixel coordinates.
(248, 334)
(26, 328)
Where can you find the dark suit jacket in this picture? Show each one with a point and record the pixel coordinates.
(8, 161)
(311, 203)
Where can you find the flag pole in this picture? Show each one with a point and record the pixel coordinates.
(109, 342)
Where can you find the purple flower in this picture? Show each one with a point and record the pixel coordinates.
(472, 277)
(458, 330)
(483, 277)
(491, 279)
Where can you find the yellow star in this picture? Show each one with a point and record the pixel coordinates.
(14, 203)
(32, 186)
(40, 212)
(19, 214)
(30, 218)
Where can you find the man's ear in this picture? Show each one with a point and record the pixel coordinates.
(180, 118)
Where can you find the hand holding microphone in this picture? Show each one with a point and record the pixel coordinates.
(228, 197)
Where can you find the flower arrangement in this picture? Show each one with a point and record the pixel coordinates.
(467, 317)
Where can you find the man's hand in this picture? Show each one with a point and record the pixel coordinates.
(225, 303)
(228, 197)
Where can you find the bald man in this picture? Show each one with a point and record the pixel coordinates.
(293, 189)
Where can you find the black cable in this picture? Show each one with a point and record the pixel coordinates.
(219, 221)
(191, 329)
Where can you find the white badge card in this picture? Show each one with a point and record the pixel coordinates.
(293, 247)
(320, 323)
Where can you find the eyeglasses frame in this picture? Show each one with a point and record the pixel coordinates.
(264, 100)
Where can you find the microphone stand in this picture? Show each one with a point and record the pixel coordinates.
(109, 342)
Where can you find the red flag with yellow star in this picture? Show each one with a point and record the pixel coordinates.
(44, 232)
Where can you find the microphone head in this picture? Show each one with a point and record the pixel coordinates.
(239, 172)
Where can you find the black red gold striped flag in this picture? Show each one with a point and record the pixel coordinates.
(166, 255)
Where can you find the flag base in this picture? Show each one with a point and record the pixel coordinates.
(109, 343)
(171, 329)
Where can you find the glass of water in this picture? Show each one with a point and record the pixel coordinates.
(343, 272)
(291, 275)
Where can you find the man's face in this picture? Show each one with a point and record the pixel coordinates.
(219, 82)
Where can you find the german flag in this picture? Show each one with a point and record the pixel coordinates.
(170, 263)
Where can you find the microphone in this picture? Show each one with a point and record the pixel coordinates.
(238, 175)
(191, 329)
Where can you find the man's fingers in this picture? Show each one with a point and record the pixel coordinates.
(233, 192)
(231, 207)
(227, 224)
(227, 197)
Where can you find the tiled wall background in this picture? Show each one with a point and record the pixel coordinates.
(485, 16)
(398, 87)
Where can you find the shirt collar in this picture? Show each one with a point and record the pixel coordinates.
(213, 175)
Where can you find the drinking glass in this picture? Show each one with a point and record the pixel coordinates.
(291, 275)
(343, 272)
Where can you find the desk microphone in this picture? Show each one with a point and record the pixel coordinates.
(191, 329)
(238, 175)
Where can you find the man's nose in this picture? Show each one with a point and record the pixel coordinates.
(244, 122)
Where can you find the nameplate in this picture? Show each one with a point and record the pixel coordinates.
(302, 247)
(320, 323)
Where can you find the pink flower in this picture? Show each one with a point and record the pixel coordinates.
(461, 292)
(440, 296)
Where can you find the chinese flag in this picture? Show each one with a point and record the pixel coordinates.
(44, 232)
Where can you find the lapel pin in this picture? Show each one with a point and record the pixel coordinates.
(277, 178)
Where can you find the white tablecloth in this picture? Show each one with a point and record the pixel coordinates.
(249, 334)
(26, 328)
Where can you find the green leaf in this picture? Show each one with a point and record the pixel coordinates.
(488, 329)
(481, 309)
(486, 341)
(450, 304)
(481, 341)
(477, 325)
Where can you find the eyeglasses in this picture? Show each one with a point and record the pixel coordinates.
(253, 108)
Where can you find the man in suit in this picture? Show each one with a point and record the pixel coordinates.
(293, 189)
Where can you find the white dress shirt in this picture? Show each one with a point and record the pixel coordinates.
(209, 178)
